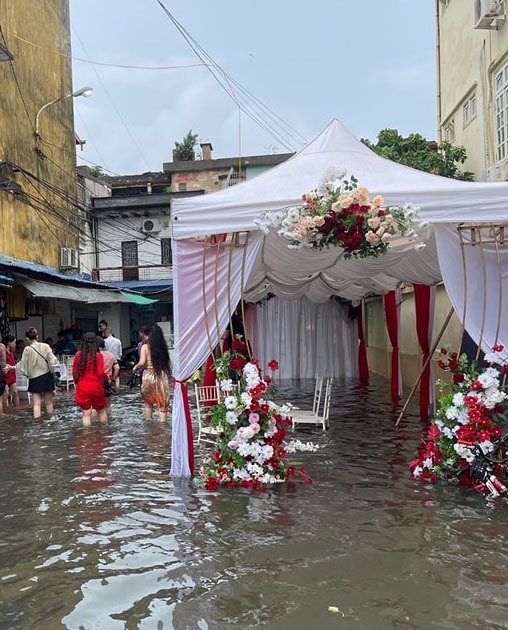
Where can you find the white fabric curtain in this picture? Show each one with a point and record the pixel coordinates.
(306, 338)
(199, 314)
(476, 281)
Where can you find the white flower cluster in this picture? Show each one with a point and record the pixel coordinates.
(251, 375)
(298, 445)
(466, 452)
(254, 471)
(427, 463)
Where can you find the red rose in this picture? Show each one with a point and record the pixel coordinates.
(496, 432)
(273, 365)
(212, 483)
(329, 224)
(458, 377)
(498, 347)
(290, 472)
(237, 363)
(217, 457)
(239, 346)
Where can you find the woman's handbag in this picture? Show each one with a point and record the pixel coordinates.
(134, 380)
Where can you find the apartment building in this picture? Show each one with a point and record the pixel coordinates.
(472, 82)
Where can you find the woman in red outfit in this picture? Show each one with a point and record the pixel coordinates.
(88, 372)
(10, 375)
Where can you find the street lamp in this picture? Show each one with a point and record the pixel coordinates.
(84, 91)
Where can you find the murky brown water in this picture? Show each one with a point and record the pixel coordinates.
(94, 535)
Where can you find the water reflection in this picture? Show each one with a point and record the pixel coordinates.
(95, 535)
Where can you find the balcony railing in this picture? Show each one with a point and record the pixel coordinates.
(137, 272)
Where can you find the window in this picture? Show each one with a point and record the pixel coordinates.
(166, 252)
(469, 109)
(130, 260)
(501, 112)
(182, 186)
(449, 131)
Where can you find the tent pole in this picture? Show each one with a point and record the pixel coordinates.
(431, 354)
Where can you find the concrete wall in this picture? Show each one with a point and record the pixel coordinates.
(38, 35)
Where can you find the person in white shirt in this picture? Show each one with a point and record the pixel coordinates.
(113, 345)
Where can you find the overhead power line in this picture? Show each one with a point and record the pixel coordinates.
(257, 111)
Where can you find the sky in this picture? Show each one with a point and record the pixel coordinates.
(280, 74)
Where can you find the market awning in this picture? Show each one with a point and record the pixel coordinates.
(89, 295)
(146, 287)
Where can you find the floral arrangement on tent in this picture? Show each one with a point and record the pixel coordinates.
(250, 450)
(471, 411)
(340, 213)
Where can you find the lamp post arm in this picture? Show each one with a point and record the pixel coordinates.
(56, 100)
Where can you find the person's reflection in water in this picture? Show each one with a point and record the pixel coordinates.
(94, 464)
(158, 446)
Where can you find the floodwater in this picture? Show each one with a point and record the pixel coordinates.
(95, 535)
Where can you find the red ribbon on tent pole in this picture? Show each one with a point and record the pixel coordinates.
(392, 326)
(422, 307)
(363, 366)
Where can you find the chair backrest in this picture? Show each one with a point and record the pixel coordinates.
(206, 395)
(318, 389)
(21, 382)
(327, 399)
(64, 373)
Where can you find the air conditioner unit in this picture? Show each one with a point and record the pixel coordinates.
(487, 12)
(69, 258)
(150, 226)
(497, 173)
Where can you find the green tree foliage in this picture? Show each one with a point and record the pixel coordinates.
(185, 150)
(419, 153)
(96, 171)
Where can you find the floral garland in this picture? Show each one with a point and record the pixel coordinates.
(339, 213)
(471, 411)
(250, 448)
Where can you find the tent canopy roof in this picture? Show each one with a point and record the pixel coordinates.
(441, 200)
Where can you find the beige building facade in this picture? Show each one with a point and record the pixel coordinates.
(472, 82)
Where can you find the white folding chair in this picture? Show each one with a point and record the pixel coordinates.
(66, 377)
(22, 386)
(314, 415)
(206, 396)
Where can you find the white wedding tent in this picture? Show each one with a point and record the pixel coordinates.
(209, 281)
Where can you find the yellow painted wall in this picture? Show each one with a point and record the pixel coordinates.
(37, 33)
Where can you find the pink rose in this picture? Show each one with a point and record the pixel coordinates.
(253, 417)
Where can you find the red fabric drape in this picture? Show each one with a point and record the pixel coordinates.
(392, 326)
(422, 307)
(363, 366)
